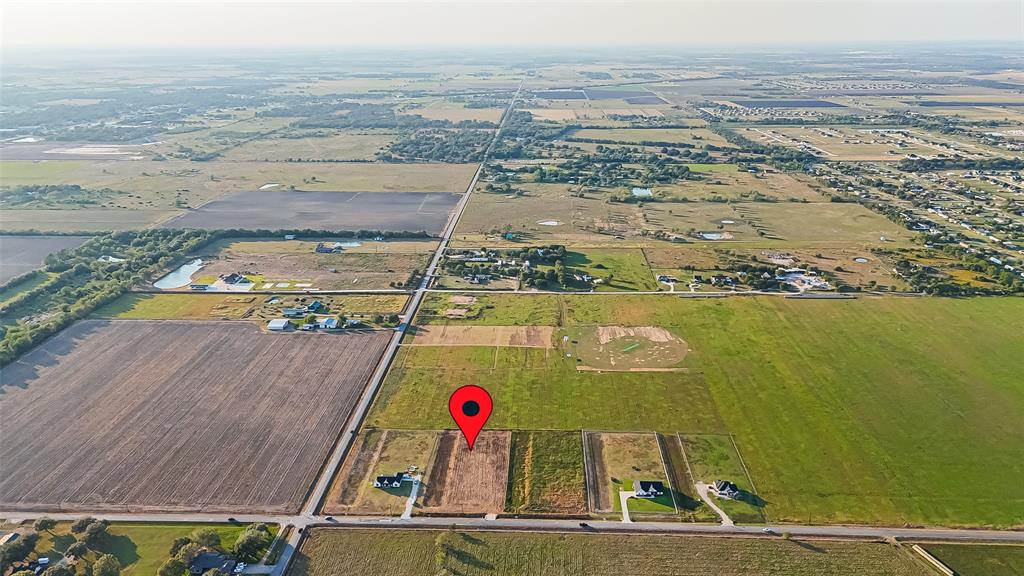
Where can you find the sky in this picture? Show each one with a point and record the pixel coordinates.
(57, 24)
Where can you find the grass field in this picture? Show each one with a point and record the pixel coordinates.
(339, 146)
(627, 268)
(815, 393)
(713, 457)
(623, 458)
(427, 553)
(546, 473)
(980, 560)
(139, 547)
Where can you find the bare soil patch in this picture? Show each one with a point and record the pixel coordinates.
(467, 481)
(630, 349)
(20, 254)
(516, 336)
(175, 415)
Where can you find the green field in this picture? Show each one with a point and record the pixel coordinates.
(980, 560)
(328, 552)
(140, 547)
(546, 473)
(818, 395)
(627, 269)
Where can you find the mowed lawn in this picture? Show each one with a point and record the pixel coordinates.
(878, 410)
(328, 552)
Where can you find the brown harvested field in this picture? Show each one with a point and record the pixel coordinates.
(458, 335)
(21, 254)
(466, 481)
(275, 210)
(554, 114)
(176, 415)
(628, 348)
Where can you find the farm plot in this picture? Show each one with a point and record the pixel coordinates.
(128, 415)
(464, 481)
(621, 459)
(698, 137)
(381, 453)
(322, 266)
(21, 254)
(779, 375)
(546, 473)
(396, 211)
(327, 552)
(192, 306)
(719, 184)
(457, 335)
(82, 219)
(980, 560)
(714, 457)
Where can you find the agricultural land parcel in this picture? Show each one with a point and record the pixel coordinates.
(815, 394)
(426, 553)
(176, 415)
(21, 254)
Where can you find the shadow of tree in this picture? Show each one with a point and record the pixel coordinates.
(120, 546)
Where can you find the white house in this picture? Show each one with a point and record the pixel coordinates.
(648, 488)
(389, 481)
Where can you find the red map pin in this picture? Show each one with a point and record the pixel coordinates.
(470, 407)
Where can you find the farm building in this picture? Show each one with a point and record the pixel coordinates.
(327, 323)
(293, 312)
(314, 306)
(725, 489)
(389, 481)
(277, 325)
(648, 488)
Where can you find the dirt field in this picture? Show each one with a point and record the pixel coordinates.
(396, 211)
(457, 335)
(20, 254)
(619, 459)
(629, 348)
(468, 481)
(172, 415)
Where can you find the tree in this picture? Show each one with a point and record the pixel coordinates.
(79, 526)
(311, 319)
(207, 537)
(106, 565)
(24, 573)
(213, 572)
(171, 567)
(77, 550)
(250, 542)
(94, 533)
(44, 524)
(189, 552)
(178, 543)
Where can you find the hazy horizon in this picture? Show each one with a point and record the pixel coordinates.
(696, 24)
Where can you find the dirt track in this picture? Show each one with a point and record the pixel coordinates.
(176, 415)
(457, 335)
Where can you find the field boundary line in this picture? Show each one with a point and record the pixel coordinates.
(742, 463)
(686, 459)
(662, 448)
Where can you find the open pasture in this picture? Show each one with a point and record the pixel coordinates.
(171, 415)
(82, 219)
(458, 335)
(396, 211)
(21, 254)
(340, 146)
(780, 376)
(546, 473)
(327, 552)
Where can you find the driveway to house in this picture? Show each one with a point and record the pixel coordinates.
(624, 496)
(702, 489)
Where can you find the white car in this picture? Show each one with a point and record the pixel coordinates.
(239, 568)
